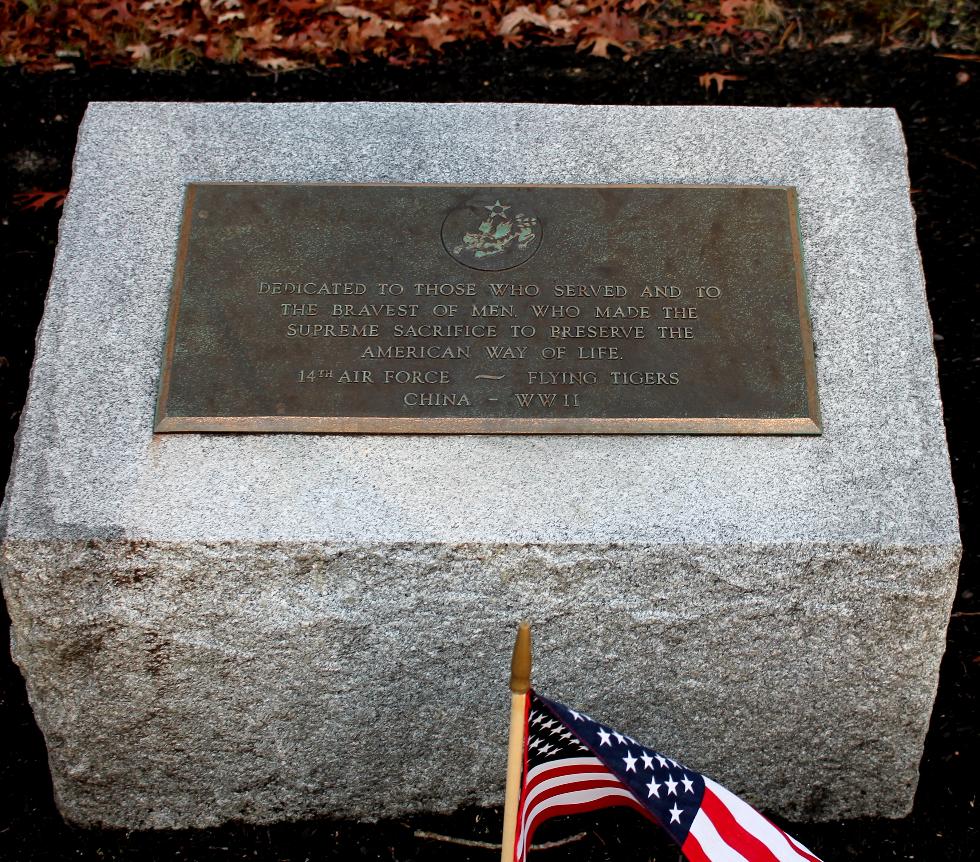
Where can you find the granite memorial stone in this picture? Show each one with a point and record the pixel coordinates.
(258, 626)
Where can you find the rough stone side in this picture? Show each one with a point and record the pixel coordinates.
(189, 684)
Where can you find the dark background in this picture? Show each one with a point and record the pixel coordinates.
(936, 98)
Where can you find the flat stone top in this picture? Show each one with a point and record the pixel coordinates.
(89, 466)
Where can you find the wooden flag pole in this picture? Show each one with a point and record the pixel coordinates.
(520, 685)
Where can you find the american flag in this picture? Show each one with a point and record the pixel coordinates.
(573, 763)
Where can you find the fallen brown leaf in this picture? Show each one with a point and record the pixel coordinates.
(433, 30)
(521, 15)
(277, 64)
(139, 51)
(354, 12)
(36, 199)
(719, 79)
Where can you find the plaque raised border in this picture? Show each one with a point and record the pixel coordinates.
(807, 422)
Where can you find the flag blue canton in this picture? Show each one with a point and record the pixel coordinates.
(668, 790)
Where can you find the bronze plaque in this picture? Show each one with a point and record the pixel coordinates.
(489, 309)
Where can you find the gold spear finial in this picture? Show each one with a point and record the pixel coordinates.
(520, 662)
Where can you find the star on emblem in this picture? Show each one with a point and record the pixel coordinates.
(497, 209)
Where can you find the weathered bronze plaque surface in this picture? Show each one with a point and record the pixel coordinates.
(489, 309)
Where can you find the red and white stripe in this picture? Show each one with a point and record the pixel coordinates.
(568, 786)
(726, 829)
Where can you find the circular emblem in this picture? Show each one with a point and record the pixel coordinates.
(491, 234)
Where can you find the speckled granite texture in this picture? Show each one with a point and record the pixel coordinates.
(257, 627)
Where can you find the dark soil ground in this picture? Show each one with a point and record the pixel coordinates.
(936, 98)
